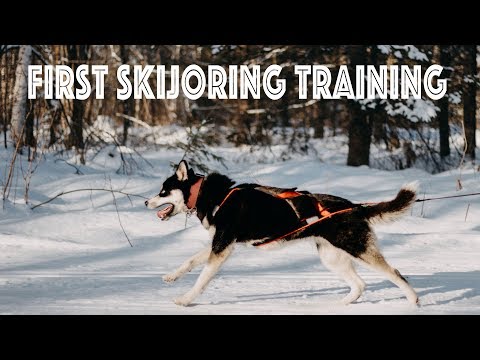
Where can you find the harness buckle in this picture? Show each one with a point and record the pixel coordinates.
(191, 212)
(311, 219)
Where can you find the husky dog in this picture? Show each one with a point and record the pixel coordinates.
(266, 217)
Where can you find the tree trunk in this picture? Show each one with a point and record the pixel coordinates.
(359, 132)
(334, 117)
(443, 127)
(29, 138)
(4, 86)
(56, 115)
(318, 118)
(77, 54)
(377, 117)
(379, 120)
(129, 104)
(469, 98)
(19, 107)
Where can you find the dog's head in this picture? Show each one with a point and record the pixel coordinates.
(174, 193)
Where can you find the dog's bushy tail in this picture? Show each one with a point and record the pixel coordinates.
(391, 210)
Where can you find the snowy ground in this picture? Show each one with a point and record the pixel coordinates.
(70, 256)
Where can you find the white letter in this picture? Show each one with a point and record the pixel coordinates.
(411, 82)
(64, 80)
(343, 85)
(303, 71)
(48, 82)
(174, 88)
(249, 82)
(393, 81)
(360, 82)
(140, 82)
(377, 82)
(99, 71)
(432, 92)
(85, 89)
(232, 81)
(33, 80)
(217, 79)
(197, 92)
(277, 92)
(126, 91)
(321, 81)
(160, 81)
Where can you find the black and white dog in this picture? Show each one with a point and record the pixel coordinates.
(254, 215)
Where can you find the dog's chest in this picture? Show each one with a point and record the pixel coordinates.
(210, 227)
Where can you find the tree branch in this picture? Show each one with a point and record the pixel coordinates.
(77, 172)
(77, 190)
(116, 209)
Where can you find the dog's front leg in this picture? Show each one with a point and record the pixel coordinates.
(215, 260)
(198, 259)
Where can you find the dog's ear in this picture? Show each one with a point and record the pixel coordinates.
(182, 171)
(191, 174)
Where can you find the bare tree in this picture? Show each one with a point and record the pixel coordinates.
(19, 107)
(469, 98)
(319, 112)
(129, 104)
(444, 128)
(77, 54)
(360, 131)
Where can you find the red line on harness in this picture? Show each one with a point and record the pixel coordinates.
(288, 194)
(322, 211)
(327, 216)
(226, 197)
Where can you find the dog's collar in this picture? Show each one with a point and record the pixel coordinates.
(194, 191)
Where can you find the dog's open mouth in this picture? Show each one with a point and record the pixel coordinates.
(165, 211)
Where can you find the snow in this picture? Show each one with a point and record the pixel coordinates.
(413, 109)
(71, 257)
(455, 97)
(411, 51)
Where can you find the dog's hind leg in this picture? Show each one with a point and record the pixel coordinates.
(340, 262)
(198, 259)
(373, 259)
(215, 260)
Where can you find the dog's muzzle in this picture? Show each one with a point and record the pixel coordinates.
(165, 211)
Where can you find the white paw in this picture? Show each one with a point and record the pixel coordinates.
(414, 300)
(183, 300)
(345, 301)
(350, 298)
(169, 278)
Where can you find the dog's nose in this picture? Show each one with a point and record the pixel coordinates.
(146, 203)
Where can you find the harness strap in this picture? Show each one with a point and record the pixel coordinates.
(284, 195)
(226, 197)
(288, 194)
(329, 215)
(194, 191)
(322, 211)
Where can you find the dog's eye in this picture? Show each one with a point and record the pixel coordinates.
(163, 193)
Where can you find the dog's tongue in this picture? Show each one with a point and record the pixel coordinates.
(162, 214)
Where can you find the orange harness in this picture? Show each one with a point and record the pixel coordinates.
(226, 197)
(324, 213)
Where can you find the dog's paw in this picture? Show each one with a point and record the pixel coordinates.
(351, 297)
(169, 278)
(183, 300)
